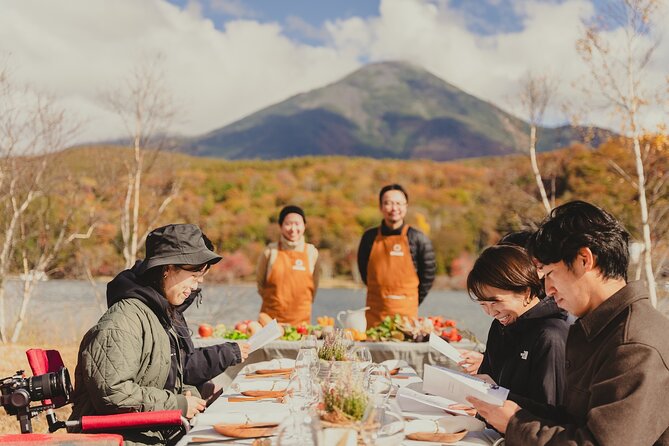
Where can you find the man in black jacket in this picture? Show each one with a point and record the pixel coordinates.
(396, 261)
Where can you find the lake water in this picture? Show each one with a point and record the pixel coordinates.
(61, 311)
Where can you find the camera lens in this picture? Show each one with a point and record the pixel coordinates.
(50, 385)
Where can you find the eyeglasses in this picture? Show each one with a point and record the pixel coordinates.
(391, 204)
(197, 273)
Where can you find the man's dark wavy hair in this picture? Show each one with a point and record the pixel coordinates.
(579, 224)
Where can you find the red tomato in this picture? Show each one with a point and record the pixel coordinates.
(301, 329)
(205, 330)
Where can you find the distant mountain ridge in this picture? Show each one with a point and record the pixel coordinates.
(382, 110)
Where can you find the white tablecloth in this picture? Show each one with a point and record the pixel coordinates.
(416, 354)
(230, 412)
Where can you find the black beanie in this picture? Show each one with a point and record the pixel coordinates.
(291, 209)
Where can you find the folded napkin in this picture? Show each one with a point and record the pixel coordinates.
(253, 412)
(339, 436)
(395, 363)
(256, 384)
(279, 363)
(448, 425)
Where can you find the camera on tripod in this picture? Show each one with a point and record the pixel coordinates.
(17, 392)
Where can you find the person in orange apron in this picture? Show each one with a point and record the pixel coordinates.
(395, 260)
(287, 272)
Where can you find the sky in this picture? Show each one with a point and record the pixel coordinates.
(222, 60)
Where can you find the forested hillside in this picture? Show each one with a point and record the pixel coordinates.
(463, 206)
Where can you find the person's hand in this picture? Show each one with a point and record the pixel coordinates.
(244, 349)
(498, 417)
(469, 410)
(471, 361)
(195, 405)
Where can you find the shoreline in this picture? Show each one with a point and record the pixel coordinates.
(441, 282)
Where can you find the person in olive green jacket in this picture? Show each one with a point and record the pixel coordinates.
(617, 354)
(125, 361)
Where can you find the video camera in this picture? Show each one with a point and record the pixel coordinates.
(17, 392)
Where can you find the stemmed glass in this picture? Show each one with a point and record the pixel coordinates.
(362, 356)
(378, 383)
(301, 392)
(309, 342)
(382, 424)
(307, 361)
(301, 428)
(347, 338)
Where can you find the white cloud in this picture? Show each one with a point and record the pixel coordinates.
(490, 67)
(234, 8)
(78, 48)
(77, 51)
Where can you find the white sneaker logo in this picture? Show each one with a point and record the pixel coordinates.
(524, 354)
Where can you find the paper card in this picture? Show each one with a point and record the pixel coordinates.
(445, 348)
(458, 386)
(269, 333)
(411, 400)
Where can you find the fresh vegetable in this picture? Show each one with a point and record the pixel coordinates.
(205, 330)
(325, 321)
(235, 335)
(290, 333)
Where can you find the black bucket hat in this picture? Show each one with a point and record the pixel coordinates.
(177, 244)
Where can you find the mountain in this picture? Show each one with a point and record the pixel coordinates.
(383, 110)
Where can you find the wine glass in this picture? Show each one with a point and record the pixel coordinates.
(309, 342)
(307, 361)
(382, 424)
(301, 428)
(301, 392)
(362, 356)
(378, 383)
(347, 336)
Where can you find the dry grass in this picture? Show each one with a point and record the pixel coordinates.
(13, 359)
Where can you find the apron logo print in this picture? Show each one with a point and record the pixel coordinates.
(397, 250)
(524, 354)
(299, 265)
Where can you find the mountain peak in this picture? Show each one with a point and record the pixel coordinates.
(391, 109)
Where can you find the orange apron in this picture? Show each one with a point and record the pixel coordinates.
(289, 290)
(392, 282)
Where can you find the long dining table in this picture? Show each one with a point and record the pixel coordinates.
(416, 354)
(228, 409)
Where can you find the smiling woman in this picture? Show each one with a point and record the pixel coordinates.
(137, 357)
(526, 341)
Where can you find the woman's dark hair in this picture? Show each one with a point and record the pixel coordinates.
(506, 267)
(385, 189)
(577, 225)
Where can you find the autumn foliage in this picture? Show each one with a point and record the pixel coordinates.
(464, 205)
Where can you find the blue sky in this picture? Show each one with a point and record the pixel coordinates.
(225, 59)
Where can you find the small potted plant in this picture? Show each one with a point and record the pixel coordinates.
(333, 352)
(344, 399)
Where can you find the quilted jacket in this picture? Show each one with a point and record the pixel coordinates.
(124, 361)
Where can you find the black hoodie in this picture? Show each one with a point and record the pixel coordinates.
(198, 365)
(527, 357)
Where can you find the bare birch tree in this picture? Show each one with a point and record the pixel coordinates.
(145, 107)
(535, 95)
(47, 235)
(30, 128)
(617, 48)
